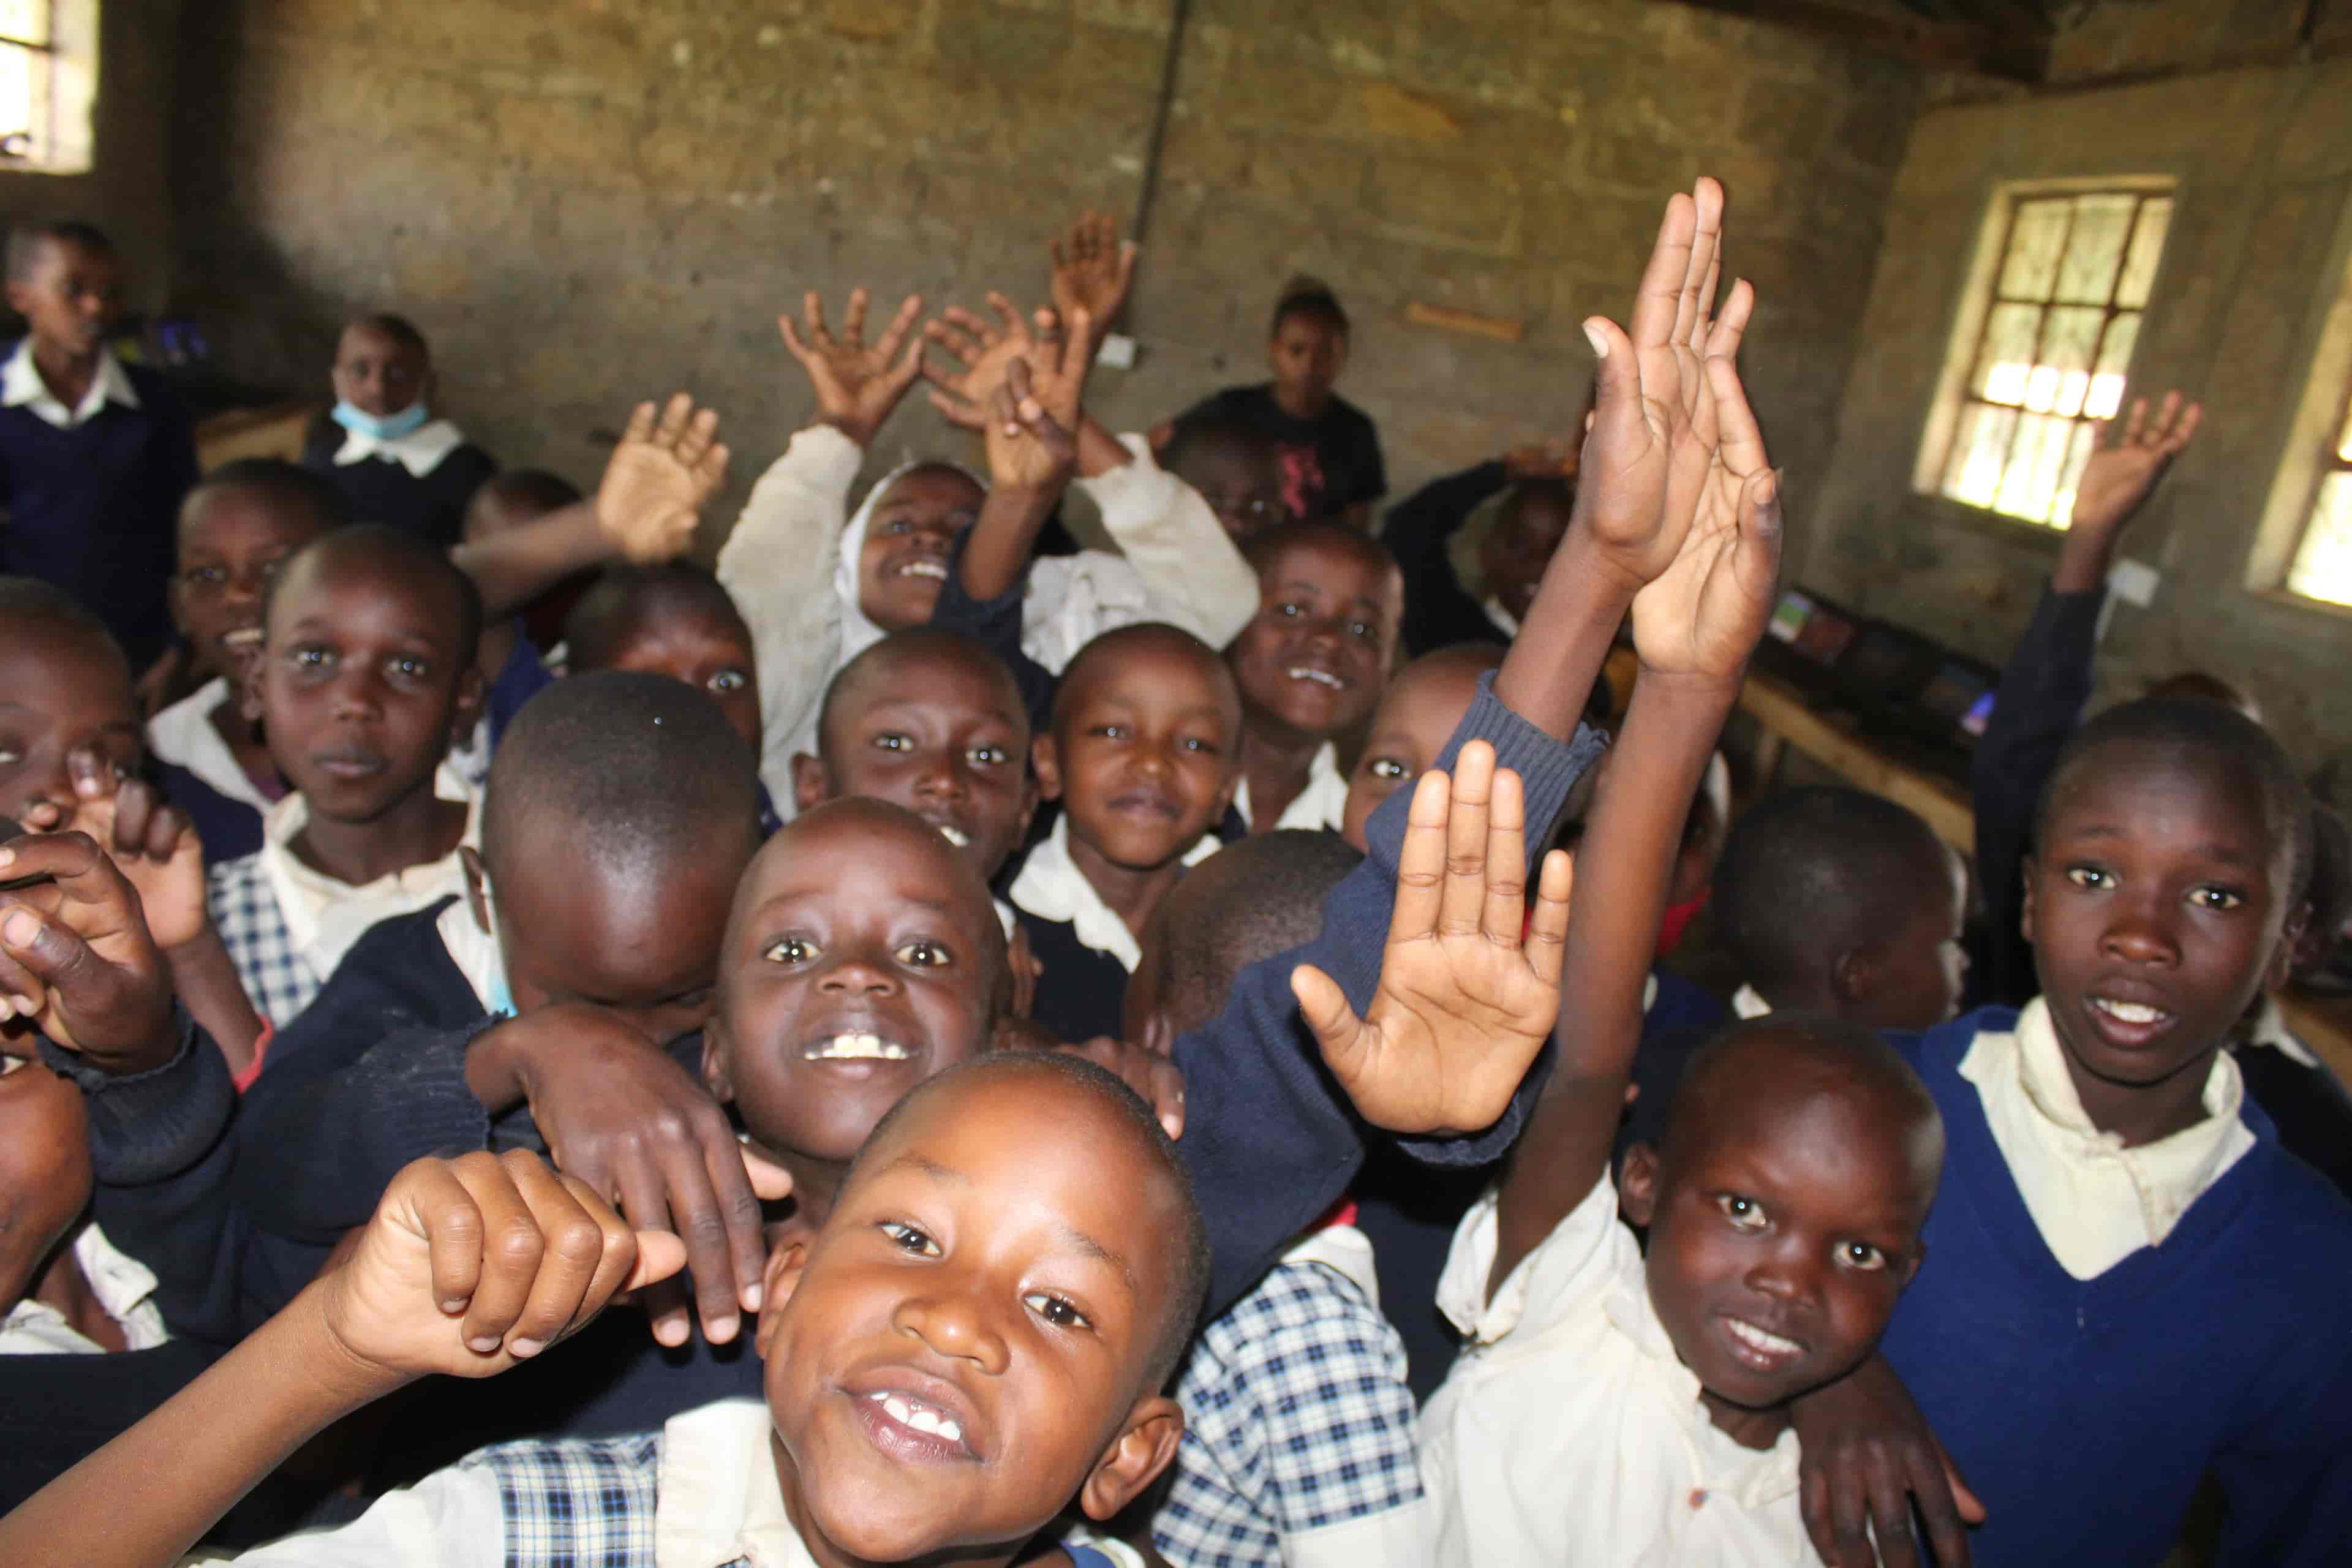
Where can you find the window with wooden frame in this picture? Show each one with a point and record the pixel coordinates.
(2323, 560)
(2045, 346)
(48, 79)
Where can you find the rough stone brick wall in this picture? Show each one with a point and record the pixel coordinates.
(2260, 242)
(586, 200)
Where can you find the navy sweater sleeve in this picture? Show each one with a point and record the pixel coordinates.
(1269, 1138)
(2042, 696)
(1438, 611)
(997, 624)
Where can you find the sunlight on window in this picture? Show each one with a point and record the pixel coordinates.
(2055, 349)
(2323, 562)
(49, 78)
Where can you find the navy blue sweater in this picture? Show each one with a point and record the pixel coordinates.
(94, 509)
(2085, 1413)
(381, 489)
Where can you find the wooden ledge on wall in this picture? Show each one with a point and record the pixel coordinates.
(1446, 318)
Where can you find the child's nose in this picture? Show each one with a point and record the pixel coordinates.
(941, 778)
(856, 973)
(952, 1321)
(2137, 938)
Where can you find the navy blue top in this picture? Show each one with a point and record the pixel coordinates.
(94, 509)
(2085, 1412)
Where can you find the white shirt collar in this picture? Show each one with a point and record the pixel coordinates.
(719, 1498)
(185, 735)
(1505, 622)
(1321, 804)
(1052, 888)
(420, 451)
(2269, 1029)
(476, 953)
(21, 386)
(2095, 1201)
(1749, 1003)
(324, 916)
(124, 1287)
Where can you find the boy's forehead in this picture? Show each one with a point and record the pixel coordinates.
(366, 338)
(806, 857)
(940, 676)
(936, 484)
(1155, 669)
(323, 570)
(222, 505)
(2114, 784)
(59, 253)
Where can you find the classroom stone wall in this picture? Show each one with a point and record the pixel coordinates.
(2256, 262)
(585, 201)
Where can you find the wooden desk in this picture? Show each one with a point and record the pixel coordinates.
(1780, 709)
(275, 431)
(2325, 1023)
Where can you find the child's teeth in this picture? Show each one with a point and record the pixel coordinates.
(924, 569)
(959, 840)
(950, 1430)
(1748, 1333)
(2132, 1012)
(924, 1421)
(898, 1411)
(243, 637)
(860, 1047)
(1325, 676)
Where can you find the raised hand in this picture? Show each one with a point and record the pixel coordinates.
(1469, 987)
(659, 478)
(473, 1264)
(153, 844)
(76, 958)
(857, 387)
(1650, 447)
(1092, 269)
(984, 353)
(2128, 462)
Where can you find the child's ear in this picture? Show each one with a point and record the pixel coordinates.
(1853, 975)
(2281, 963)
(477, 887)
(1047, 759)
(249, 687)
(809, 790)
(715, 1076)
(786, 1261)
(1637, 1185)
(1136, 1457)
(468, 706)
(1911, 1269)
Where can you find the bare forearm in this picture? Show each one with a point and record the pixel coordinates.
(2083, 560)
(206, 979)
(1559, 650)
(511, 568)
(1004, 538)
(147, 1496)
(1099, 450)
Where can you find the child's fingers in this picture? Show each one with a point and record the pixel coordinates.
(1730, 327)
(1939, 1491)
(1706, 226)
(1054, 253)
(1548, 926)
(2190, 418)
(957, 411)
(2133, 418)
(1463, 898)
(89, 772)
(430, 1200)
(1073, 351)
(571, 1247)
(987, 335)
(618, 1250)
(1015, 326)
(22, 995)
(956, 340)
(714, 1231)
(1660, 293)
(799, 351)
(508, 1242)
(709, 474)
(672, 425)
(1739, 441)
(646, 1204)
(695, 439)
(813, 313)
(894, 336)
(641, 418)
(1325, 1007)
(908, 368)
(853, 325)
(1129, 253)
(1505, 916)
(1420, 861)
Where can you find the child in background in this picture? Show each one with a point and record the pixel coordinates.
(1330, 452)
(94, 454)
(382, 446)
(1144, 754)
(1836, 900)
(513, 652)
(1417, 713)
(884, 1437)
(1533, 518)
(1236, 468)
(1311, 665)
(1298, 1427)
(817, 590)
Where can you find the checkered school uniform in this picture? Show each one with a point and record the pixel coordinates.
(1298, 1431)
(277, 980)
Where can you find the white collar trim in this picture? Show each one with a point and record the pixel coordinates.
(420, 451)
(1052, 888)
(21, 386)
(185, 735)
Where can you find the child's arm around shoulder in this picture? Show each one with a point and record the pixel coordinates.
(468, 1267)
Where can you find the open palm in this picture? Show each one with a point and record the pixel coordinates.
(857, 387)
(1469, 987)
(664, 471)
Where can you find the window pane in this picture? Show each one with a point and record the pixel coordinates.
(2064, 377)
(2323, 567)
(2007, 357)
(1978, 449)
(2078, 452)
(2030, 480)
(25, 20)
(2344, 442)
(16, 119)
(2115, 362)
(2037, 234)
(2095, 250)
(2146, 246)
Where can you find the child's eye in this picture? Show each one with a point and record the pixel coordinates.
(1362, 630)
(412, 669)
(1055, 1311)
(309, 656)
(1110, 731)
(988, 756)
(897, 525)
(891, 741)
(729, 680)
(908, 1239)
(204, 576)
(1290, 610)
(924, 954)
(1205, 748)
(1390, 769)
(2089, 876)
(1860, 1256)
(792, 950)
(1745, 1214)
(10, 756)
(2217, 898)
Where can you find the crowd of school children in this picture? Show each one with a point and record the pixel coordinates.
(932, 1044)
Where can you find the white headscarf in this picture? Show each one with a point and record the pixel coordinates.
(859, 630)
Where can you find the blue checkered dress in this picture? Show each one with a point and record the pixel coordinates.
(279, 980)
(577, 1503)
(1296, 1415)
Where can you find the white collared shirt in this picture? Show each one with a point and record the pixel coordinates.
(1321, 803)
(1571, 1432)
(324, 917)
(22, 386)
(124, 1287)
(2095, 1201)
(2270, 1030)
(1052, 888)
(185, 736)
(1749, 1003)
(420, 451)
(476, 953)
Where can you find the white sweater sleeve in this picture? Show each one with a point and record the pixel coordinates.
(1194, 573)
(451, 1519)
(778, 565)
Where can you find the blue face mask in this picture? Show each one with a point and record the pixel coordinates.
(381, 428)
